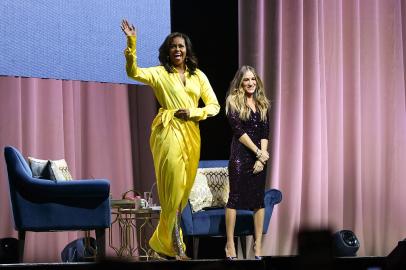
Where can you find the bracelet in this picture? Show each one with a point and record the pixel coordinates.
(258, 155)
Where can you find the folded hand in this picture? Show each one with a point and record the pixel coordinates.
(258, 167)
(183, 114)
(263, 156)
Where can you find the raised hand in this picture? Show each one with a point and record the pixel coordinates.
(127, 28)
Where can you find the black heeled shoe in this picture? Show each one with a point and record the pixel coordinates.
(256, 256)
(229, 258)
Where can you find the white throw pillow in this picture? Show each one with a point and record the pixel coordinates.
(200, 195)
(60, 170)
(49, 169)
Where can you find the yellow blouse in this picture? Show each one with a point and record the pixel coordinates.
(169, 90)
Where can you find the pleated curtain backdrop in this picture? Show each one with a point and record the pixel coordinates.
(335, 72)
(88, 124)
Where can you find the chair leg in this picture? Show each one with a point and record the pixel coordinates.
(21, 243)
(101, 243)
(195, 243)
(243, 240)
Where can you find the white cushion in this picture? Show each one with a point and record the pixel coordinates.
(210, 188)
(60, 170)
(200, 195)
(49, 169)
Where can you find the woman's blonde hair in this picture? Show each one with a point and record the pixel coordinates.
(236, 100)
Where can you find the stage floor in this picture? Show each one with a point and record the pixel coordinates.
(267, 263)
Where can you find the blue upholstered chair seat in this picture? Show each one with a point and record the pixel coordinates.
(64, 205)
(208, 222)
(46, 216)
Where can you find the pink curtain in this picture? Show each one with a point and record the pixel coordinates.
(86, 123)
(335, 71)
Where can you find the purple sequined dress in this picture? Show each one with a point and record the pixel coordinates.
(246, 189)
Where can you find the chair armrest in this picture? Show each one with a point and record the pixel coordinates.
(187, 220)
(49, 190)
(272, 197)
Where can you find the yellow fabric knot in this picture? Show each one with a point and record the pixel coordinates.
(166, 115)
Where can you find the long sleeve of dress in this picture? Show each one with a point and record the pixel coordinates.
(209, 98)
(265, 128)
(145, 75)
(235, 124)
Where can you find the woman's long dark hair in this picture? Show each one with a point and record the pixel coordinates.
(191, 59)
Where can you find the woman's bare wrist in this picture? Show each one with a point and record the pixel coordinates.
(262, 162)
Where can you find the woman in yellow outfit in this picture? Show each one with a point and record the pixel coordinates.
(175, 136)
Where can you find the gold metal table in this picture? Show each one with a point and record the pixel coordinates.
(134, 228)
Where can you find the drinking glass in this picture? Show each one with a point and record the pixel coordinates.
(148, 198)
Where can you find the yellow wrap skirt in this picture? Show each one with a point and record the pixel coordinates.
(175, 146)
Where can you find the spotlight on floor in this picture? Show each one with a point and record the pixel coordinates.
(345, 244)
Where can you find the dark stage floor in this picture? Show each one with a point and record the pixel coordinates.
(268, 263)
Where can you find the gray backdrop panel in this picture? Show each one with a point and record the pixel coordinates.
(78, 39)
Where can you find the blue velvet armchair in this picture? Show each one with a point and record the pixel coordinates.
(40, 205)
(211, 222)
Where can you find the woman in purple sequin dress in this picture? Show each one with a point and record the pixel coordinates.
(247, 112)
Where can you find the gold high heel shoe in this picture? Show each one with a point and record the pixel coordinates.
(156, 256)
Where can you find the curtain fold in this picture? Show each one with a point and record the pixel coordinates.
(335, 73)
